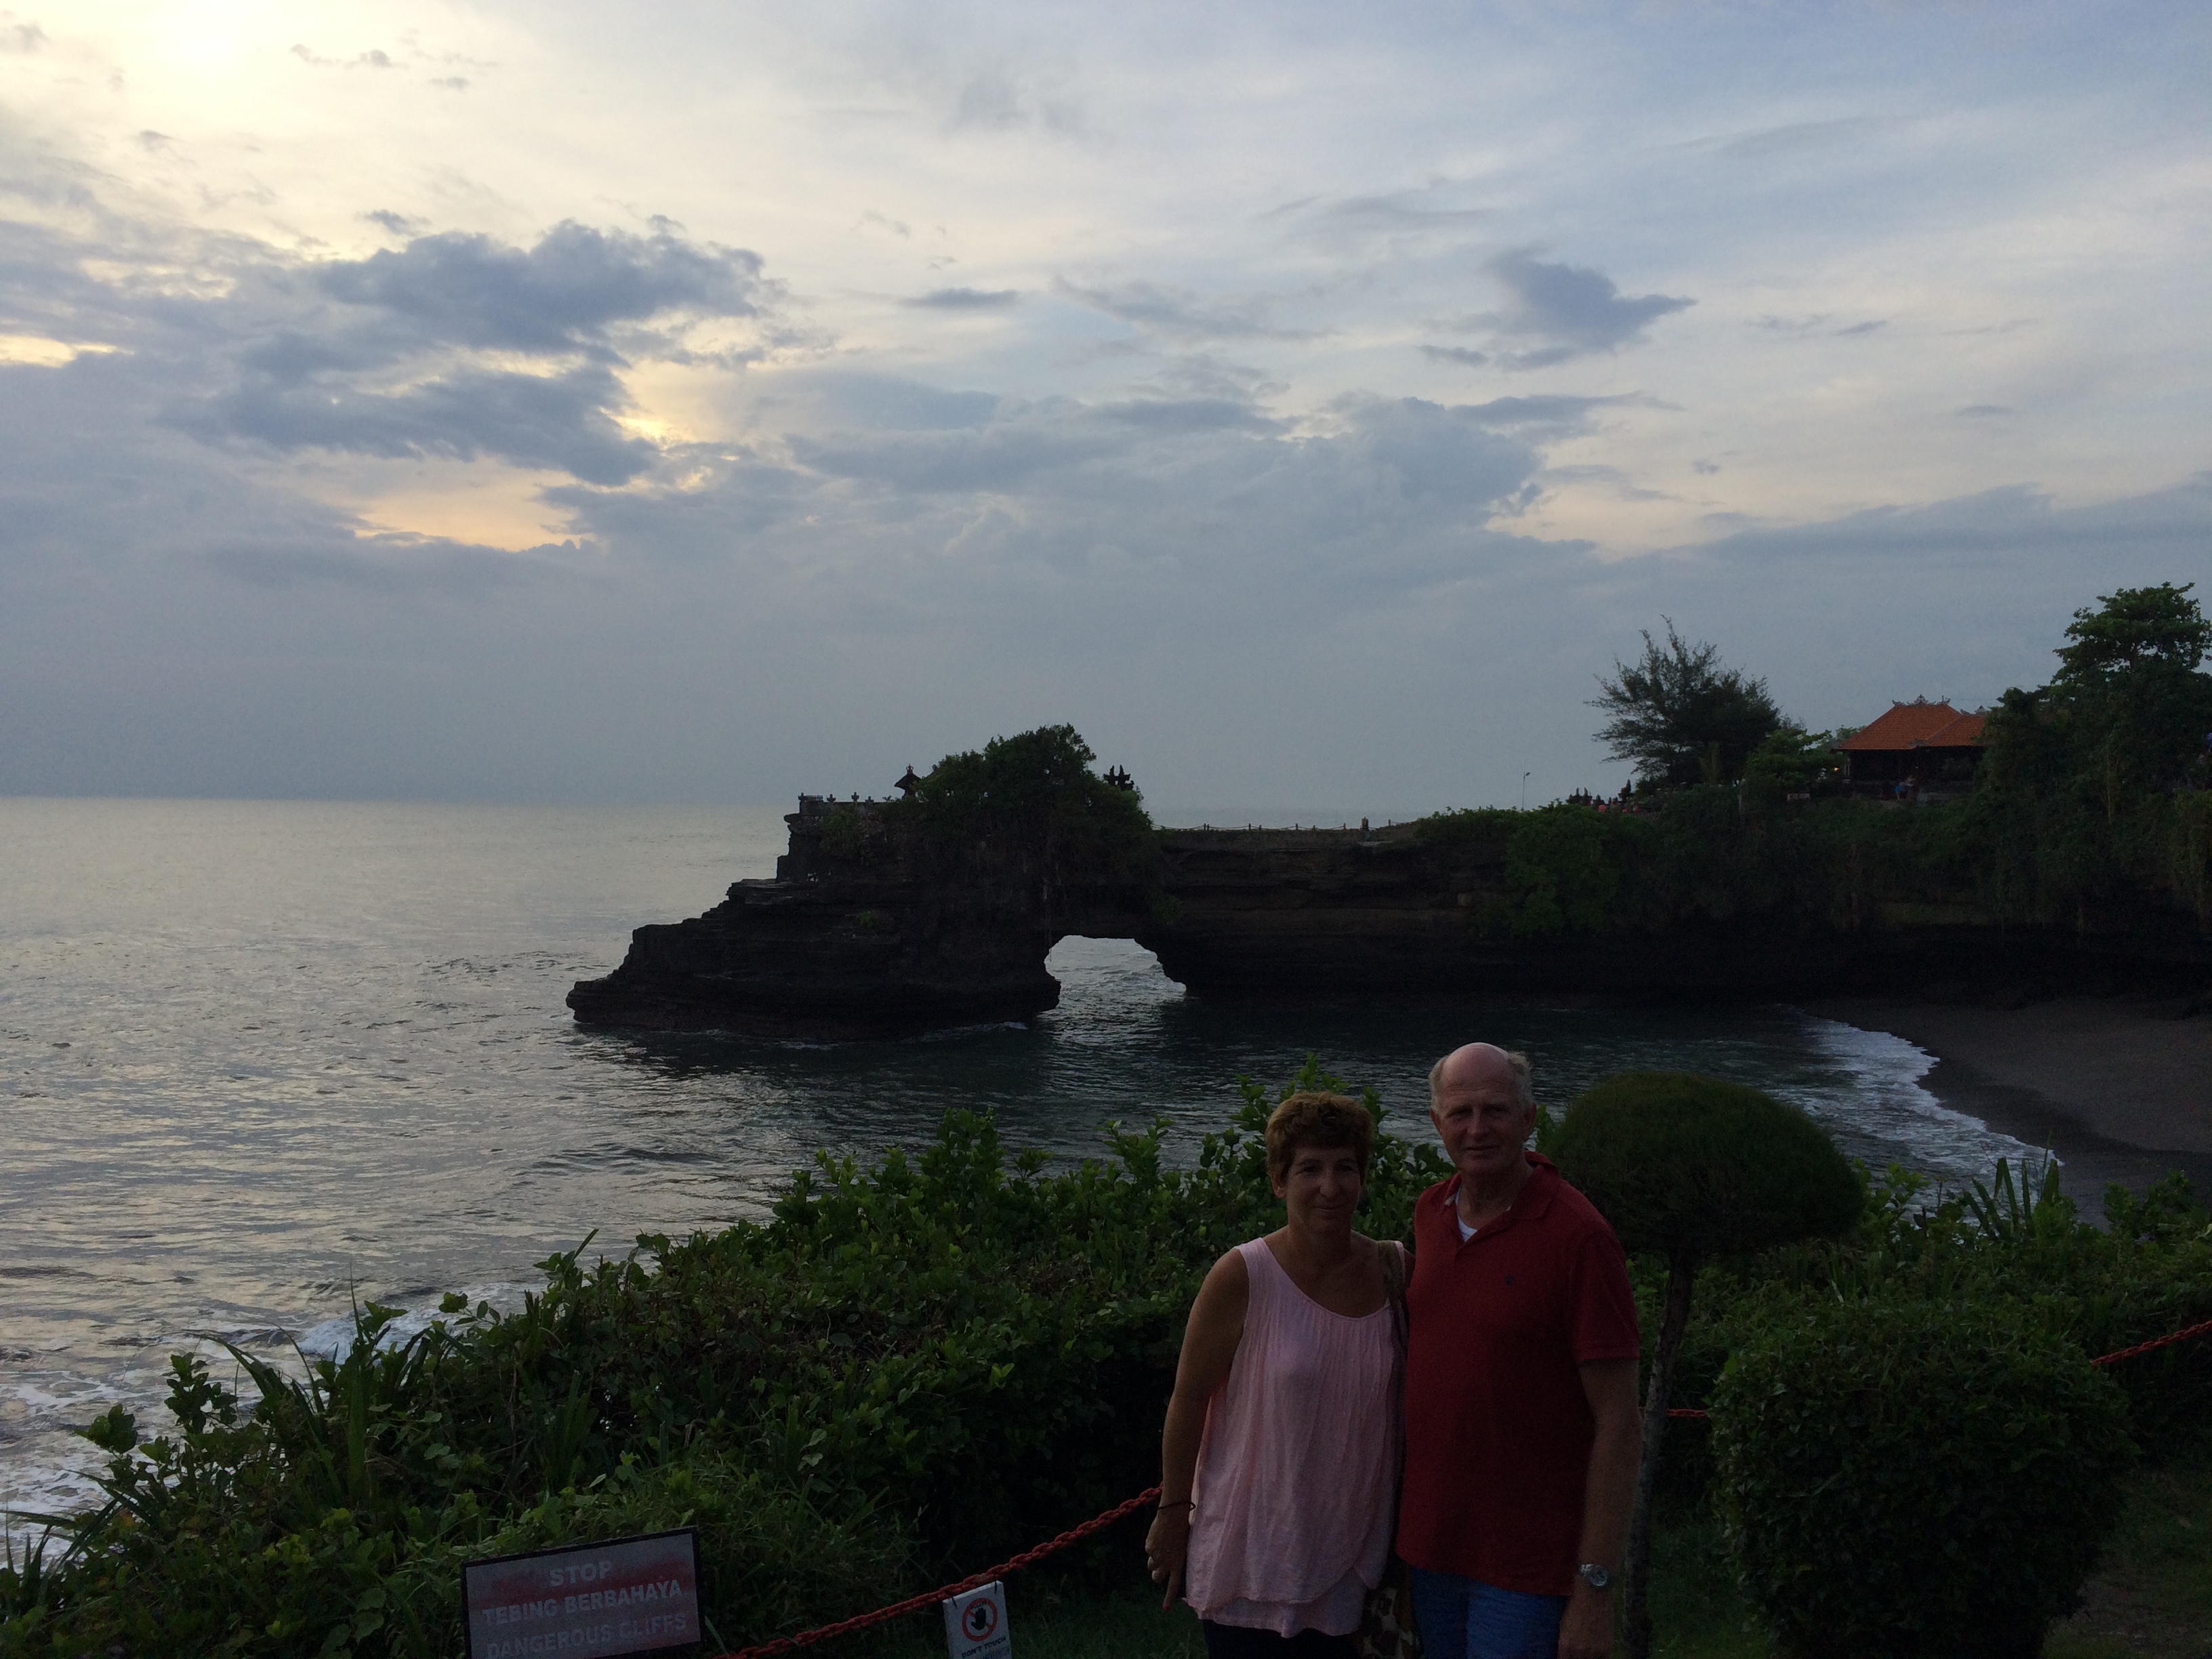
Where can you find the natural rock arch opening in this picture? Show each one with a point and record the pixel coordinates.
(1107, 969)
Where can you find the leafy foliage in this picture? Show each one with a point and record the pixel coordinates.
(1689, 1168)
(1692, 1167)
(2094, 787)
(1679, 716)
(1916, 1479)
(911, 1367)
(1036, 791)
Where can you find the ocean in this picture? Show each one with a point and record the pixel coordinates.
(265, 1058)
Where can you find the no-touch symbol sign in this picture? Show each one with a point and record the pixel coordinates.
(976, 1623)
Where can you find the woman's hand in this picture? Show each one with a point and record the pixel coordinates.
(1165, 1547)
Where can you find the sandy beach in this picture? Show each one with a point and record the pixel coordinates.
(2120, 1088)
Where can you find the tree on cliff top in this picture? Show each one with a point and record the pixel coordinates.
(1680, 716)
(1036, 788)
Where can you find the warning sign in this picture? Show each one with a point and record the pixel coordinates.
(624, 1596)
(976, 1623)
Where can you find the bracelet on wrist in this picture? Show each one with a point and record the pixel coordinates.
(1186, 1504)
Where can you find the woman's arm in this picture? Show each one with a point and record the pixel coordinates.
(1209, 1347)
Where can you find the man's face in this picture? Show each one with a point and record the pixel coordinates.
(1480, 1119)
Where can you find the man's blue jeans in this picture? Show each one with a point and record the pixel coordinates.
(1466, 1618)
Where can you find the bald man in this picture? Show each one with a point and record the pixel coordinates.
(1521, 1427)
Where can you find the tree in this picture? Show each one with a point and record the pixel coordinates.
(2161, 629)
(1791, 758)
(1690, 1168)
(2129, 678)
(1679, 716)
(1035, 792)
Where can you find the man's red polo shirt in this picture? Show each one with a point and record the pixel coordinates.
(1497, 1430)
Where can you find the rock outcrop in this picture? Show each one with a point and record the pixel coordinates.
(872, 928)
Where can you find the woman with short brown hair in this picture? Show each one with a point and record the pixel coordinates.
(1280, 1457)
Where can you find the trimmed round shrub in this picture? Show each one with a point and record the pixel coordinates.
(1917, 1480)
(1692, 1167)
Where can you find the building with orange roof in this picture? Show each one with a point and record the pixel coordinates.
(1920, 745)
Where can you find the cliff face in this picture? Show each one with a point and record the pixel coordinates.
(868, 930)
(872, 929)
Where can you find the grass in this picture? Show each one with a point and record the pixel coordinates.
(2153, 1600)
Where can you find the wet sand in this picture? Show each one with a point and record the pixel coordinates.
(2119, 1088)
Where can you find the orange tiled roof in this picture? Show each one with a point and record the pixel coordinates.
(1919, 726)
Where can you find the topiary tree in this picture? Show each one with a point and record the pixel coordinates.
(1918, 1479)
(1690, 1168)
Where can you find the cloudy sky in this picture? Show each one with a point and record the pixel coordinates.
(704, 402)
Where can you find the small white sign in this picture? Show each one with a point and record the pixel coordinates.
(976, 1623)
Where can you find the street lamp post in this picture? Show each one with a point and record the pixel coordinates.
(1525, 792)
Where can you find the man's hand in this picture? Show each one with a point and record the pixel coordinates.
(1166, 1548)
(1586, 1631)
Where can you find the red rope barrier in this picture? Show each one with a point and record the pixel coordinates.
(929, 1598)
(2112, 1359)
(2155, 1342)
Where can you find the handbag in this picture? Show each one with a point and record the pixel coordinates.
(1386, 1627)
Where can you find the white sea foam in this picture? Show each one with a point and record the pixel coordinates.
(1871, 1094)
(48, 1470)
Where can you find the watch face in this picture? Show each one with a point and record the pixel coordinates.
(1598, 1576)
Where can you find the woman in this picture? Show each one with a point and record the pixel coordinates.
(1280, 1458)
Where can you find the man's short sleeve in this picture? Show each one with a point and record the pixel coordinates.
(1601, 1316)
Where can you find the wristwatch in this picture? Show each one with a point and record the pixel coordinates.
(1595, 1575)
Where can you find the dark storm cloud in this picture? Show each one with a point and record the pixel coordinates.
(965, 299)
(562, 295)
(1560, 311)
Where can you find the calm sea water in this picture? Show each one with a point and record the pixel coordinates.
(262, 1057)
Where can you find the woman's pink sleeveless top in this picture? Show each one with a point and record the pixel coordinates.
(1297, 1471)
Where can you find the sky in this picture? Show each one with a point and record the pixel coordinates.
(708, 403)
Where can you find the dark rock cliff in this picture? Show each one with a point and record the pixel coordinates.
(871, 929)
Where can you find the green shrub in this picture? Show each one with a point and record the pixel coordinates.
(1690, 1168)
(912, 1367)
(1916, 1479)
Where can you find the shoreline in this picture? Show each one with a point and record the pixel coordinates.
(2119, 1088)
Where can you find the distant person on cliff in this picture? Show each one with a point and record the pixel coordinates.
(1522, 1426)
(1280, 1455)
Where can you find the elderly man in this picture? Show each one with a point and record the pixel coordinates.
(1521, 1427)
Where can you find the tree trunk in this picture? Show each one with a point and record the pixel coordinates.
(1636, 1574)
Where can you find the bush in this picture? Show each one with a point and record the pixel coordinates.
(914, 1367)
(1691, 1167)
(1916, 1479)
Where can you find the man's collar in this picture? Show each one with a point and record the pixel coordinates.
(1534, 1199)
